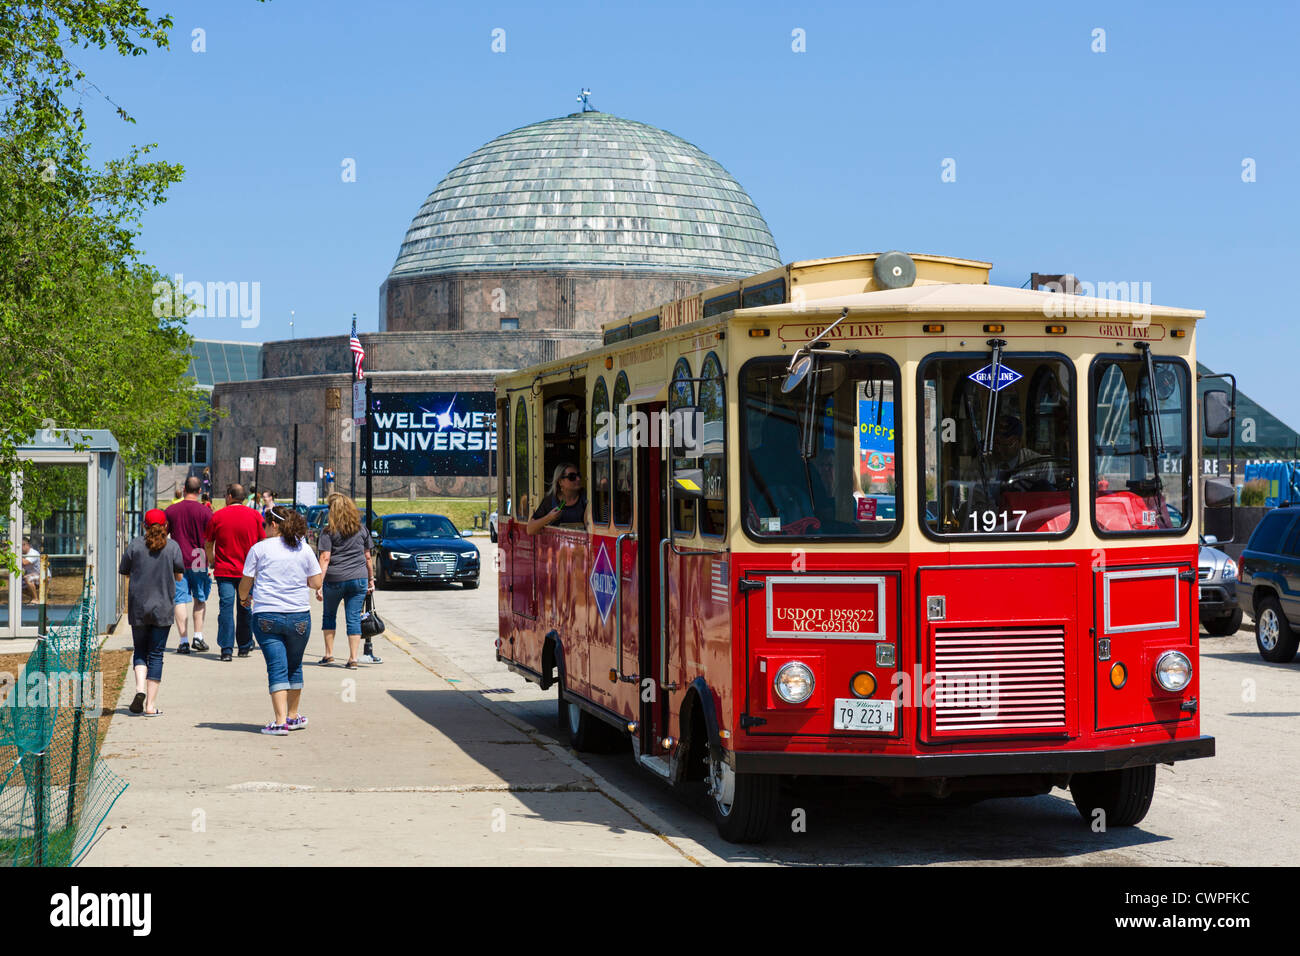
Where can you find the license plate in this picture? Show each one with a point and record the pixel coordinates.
(872, 715)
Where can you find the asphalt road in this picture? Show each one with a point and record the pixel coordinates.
(1237, 808)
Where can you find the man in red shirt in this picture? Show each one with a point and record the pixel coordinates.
(187, 523)
(231, 532)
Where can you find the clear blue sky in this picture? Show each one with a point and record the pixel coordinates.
(1118, 166)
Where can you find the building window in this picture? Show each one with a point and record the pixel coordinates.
(511, 323)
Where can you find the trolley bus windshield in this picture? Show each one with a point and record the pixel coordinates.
(998, 457)
(819, 461)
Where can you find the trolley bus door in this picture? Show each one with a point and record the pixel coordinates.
(522, 563)
(652, 531)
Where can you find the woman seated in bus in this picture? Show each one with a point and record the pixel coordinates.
(564, 503)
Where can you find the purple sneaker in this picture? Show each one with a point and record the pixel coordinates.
(297, 723)
(276, 730)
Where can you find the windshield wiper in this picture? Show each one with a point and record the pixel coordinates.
(1153, 440)
(991, 413)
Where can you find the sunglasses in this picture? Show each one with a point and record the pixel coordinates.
(571, 476)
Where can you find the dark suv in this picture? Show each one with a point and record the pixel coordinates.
(1269, 583)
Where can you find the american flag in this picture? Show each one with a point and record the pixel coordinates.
(354, 343)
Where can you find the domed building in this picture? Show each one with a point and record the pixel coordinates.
(518, 256)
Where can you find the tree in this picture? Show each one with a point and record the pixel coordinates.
(83, 345)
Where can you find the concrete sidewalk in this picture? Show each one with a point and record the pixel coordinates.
(397, 767)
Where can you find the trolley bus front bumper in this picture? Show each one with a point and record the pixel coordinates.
(968, 764)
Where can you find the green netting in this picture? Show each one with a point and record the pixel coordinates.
(54, 792)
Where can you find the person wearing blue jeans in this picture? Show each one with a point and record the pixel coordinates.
(353, 595)
(279, 574)
(283, 637)
(232, 619)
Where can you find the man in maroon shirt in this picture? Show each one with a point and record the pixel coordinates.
(233, 530)
(187, 523)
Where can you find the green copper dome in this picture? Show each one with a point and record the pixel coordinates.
(588, 190)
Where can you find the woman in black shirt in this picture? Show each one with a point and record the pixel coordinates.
(565, 504)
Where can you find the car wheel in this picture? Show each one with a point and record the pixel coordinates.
(1223, 626)
(1123, 796)
(744, 804)
(1276, 641)
(469, 585)
(381, 578)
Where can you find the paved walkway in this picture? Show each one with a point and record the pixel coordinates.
(398, 766)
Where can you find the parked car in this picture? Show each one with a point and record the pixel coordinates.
(423, 547)
(1269, 584)
(1217, 580)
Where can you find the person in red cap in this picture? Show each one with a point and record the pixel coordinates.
(152, 565)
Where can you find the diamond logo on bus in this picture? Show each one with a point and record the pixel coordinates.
(1006, 376)
(604, 583)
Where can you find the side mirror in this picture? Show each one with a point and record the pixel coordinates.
(1217, 414)
(1210, 540)
(1218, 493)
(688, 483)
(686, 425)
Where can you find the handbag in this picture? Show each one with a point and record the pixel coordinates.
(371, 622)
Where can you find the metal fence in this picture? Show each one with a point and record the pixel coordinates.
(54, 791)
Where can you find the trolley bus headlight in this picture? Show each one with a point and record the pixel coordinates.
(794, 682)
(1173, 671)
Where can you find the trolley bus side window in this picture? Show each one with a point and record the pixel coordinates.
(998, 461)
(521, 458)
(820, 461)
(681, 395)
(1141, 468)
(713, 461)
(622, 451)
(503, 453)
(601, 434)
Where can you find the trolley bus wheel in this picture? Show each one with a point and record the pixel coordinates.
(1276, 641)
(743, 803)
(1124, 796)
(586, 733)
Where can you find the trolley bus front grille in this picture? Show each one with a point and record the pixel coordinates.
(999, 679)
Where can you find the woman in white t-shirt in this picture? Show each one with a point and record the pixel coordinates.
(280, 573)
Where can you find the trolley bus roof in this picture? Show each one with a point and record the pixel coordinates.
(961, 297)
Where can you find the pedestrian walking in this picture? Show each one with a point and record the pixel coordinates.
(152, 565)
(207, 483)
(232, 531)
(187, 522)
(268, 502)
(345, 552)
(279, 574)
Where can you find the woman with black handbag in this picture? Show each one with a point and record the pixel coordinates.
(345, 551)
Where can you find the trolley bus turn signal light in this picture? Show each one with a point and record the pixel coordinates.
(863, 684)
(613, 676)
(1055, 330)
(759, 333)
(932, 327)
(1118, 675)
(609, 361)
(995, 327)
(1179, 333)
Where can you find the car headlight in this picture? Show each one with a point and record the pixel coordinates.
(794, 682)
(399, 555)
(1229, 570)
(1173, 671)
(470, 557)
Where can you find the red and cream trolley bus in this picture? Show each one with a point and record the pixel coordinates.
(867, 516)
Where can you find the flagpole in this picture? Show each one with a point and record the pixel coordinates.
(352, 480)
